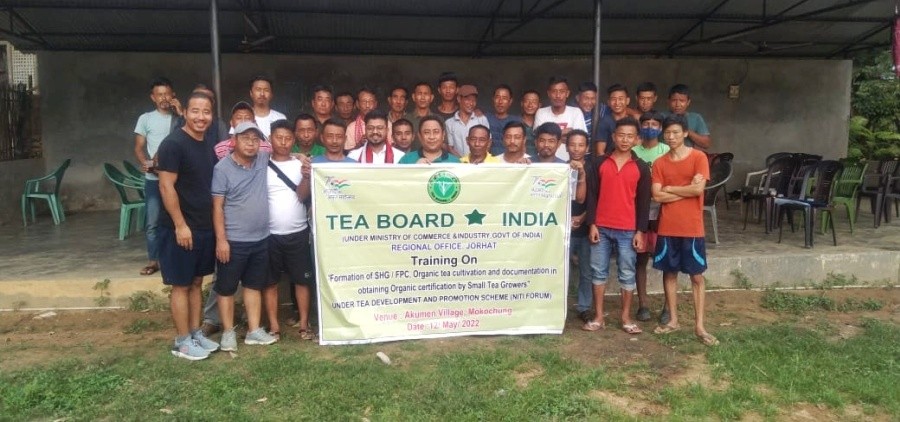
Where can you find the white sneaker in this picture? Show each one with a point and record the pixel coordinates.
(228, 343)
(189, 349)
(259, 337)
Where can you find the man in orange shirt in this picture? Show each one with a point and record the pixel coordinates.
(678, 181)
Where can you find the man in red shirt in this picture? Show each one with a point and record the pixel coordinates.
(679, 178)
(618, 206)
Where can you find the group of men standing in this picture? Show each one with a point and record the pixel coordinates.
(238, 207)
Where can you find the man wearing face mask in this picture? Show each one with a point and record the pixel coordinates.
(648, 150)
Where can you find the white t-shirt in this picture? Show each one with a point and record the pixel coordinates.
(377, 157)
(571, 118)
(265, 123)
(286, 213)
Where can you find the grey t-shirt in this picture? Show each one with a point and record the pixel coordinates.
(246, 198)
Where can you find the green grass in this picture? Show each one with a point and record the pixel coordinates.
(741, 281)
(764, 370)
(780, 301)
(694, 401)
(146, 300)
(802, 365)
(477, 384)
(833, 280)
(141, 325)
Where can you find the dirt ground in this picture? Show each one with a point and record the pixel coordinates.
(26, 340)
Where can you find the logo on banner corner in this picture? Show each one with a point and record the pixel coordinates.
(334, 188)
(443, 187)
(542, 187)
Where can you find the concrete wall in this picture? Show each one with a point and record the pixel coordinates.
(90, 101)
(13, 175)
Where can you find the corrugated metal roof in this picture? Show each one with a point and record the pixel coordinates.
(789, 28)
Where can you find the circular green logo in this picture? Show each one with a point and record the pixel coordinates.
(443, 187)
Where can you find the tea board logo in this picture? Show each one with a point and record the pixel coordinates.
(443, 187)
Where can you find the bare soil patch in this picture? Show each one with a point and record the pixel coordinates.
(632, 406)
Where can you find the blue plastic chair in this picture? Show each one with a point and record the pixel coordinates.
(33, 191)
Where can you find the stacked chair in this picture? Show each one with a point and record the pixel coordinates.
(888, 193)
(845, 191)
(720, 172)
(875, 184)
(811, 192)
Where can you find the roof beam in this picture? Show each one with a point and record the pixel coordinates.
(20, 36)
(864, 36)
(731, 18)
(697, 24)
(489, 29)
(544, 40)
(778, 19)
(33, 35)
(525, 21)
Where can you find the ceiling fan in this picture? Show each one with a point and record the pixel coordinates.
(762, 47)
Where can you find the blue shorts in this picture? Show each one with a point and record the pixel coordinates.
(247, 265)
(680, 254)
(180, 266)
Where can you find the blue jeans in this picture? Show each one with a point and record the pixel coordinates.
(581, 247)
(154, 207)
(620, 240)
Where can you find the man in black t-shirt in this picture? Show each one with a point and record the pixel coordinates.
(578, 147)
(187, 242)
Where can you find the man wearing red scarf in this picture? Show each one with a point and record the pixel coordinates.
(376, 148)
(366, 101)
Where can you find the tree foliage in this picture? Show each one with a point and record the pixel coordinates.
(875, 101)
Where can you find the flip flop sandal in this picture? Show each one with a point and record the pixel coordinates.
(149, 270)
(665, 329)
(593, 326)
(632, 329)
(276, 334)
(307, 335)
(708, 339)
